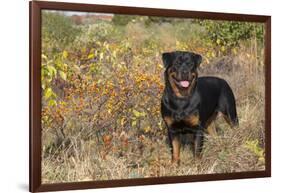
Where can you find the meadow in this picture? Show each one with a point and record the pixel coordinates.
(102, 82)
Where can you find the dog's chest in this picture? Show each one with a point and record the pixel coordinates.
(187, 114)
(188, 121)
(182, 115)
(191, 120)
(189, 124)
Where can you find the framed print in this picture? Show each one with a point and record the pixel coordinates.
(123, 96)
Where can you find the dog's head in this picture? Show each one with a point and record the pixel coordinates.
(181, 71)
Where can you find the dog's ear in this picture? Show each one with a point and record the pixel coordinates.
(197, 59)
(167, 58)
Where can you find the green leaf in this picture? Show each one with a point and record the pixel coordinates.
(62, 75)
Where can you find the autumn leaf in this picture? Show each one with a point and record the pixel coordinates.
(90, 56)
(147, 129)
(107, 139)
(48, 93)
(65, 54)
(62, 75)
(52, 103)
(138, 114)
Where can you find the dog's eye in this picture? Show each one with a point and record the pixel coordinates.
(172, 69)
(194, 67)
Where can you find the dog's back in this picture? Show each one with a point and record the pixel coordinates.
(216, 95)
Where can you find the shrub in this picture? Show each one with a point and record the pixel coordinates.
(58, 30)
(227, 35)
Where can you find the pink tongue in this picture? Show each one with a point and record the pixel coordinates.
(184, 84)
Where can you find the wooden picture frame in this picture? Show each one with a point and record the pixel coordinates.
(35, 94)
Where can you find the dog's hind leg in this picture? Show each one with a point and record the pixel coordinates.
(211, 129)
(227, 107)
(230, 114)
(210, 125)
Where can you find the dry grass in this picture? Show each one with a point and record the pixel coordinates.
(86, 155)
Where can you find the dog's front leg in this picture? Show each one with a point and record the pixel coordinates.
(175, 146)
(198, 143)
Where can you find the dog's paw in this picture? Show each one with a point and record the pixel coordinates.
(175, 162)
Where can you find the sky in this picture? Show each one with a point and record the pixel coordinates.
(70, 13)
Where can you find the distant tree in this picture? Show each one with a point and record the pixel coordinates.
(152, 19)
(58, 29)
(122, 19)
(228, 35)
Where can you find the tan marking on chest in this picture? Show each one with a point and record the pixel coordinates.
(192, 120)
(168, 120)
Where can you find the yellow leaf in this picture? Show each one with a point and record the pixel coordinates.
(234, 51)
(64, 66)
(52, 70)
(218, 41)
(114, 54)
(90, 56)
(138, 114)
(101, 56)
(44, 57)
(76, 68)
(52, 103)
(147, 129)
(62, 75)
(48, 93)
(122, 121)
(160, 66)
(65, 54)
(107, 46)
(134, 123)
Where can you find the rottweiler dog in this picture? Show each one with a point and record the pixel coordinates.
(190, 103)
